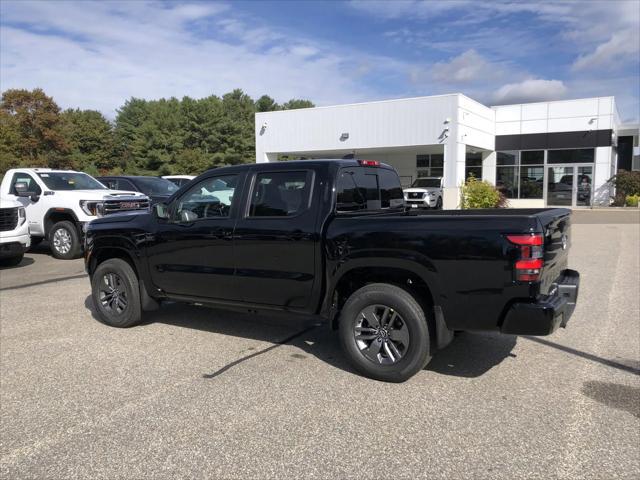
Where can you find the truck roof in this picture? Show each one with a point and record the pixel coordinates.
(45, 170)
(316, 162)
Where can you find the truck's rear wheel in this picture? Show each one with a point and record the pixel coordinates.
(384, 333)
(64, 240)
(116, 293)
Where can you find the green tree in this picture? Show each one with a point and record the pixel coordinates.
(295, 103)
(90, 138)
(237, 129)
(266, 104)
(33, 120)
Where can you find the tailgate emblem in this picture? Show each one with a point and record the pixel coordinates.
(565, 241)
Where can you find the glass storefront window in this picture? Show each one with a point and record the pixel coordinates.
(507, 181)
(430, 165)
(531, 181)
(574, 155)
(520, 174)
(507, 158)
(532, 157)
(473, 165)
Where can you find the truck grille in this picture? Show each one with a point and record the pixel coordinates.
(125, 205)
(416, 194)
(8, 219)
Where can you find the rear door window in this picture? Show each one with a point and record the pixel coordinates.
(280, 194)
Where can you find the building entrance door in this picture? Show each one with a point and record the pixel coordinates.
(569, 186)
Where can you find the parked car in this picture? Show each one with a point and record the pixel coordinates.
(425, 192)
(59, 202)
(14, 232)
(156, 188)
(333, 240)
(179, 180)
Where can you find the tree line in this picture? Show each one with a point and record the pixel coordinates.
(147, 137)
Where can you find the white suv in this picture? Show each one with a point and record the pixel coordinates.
(425, 192)
(14, 232)
(59, 202)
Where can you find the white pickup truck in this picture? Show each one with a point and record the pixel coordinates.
(59, 202)
(14, 232)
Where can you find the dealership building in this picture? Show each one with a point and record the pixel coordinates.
(539, 154)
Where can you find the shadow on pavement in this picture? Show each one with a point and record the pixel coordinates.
(621, 397)
(473, 354)
(25, 261)
(469, 355)
(588, 356)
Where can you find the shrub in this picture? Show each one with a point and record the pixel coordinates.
(480, 194)
(626, 183)
(632, 200)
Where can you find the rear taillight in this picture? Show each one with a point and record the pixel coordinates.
(530, 262)
(369, 163)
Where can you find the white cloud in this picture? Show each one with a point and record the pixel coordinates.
(468, 67)
(97, 55)
(621, 47)
(530, 90)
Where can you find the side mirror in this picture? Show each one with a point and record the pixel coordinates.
(161, 210)
(21, 190)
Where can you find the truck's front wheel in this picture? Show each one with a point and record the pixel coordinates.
(384, 333)
(116, 293)
(64, 240)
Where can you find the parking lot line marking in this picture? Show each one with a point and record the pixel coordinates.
(255, 354)
(43, 282)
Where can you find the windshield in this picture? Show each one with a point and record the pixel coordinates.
(427, 183)
(70, 181)
(155, 185)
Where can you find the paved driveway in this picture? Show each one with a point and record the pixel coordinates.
(201, 393)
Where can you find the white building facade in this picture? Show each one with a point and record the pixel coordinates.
(538, 154)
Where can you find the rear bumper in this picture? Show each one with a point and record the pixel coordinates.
(549, 312)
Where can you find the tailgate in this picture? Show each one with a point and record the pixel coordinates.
(556, 227)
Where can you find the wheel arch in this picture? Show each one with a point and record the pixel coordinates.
(413, 278)
(55, 215)
(100, 254)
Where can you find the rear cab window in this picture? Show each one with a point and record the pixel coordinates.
(361, 189)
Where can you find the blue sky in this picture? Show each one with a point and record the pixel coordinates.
(98, 54)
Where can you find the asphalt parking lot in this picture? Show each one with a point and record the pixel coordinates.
(201, 393)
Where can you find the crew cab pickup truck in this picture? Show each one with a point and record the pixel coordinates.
(332, 239)
(59, 202)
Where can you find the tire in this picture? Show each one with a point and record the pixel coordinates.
(406, 324)
(439, 203)
(64, 240)
(11, 261)
(116, 275)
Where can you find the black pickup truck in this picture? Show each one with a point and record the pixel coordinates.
(332, 239)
